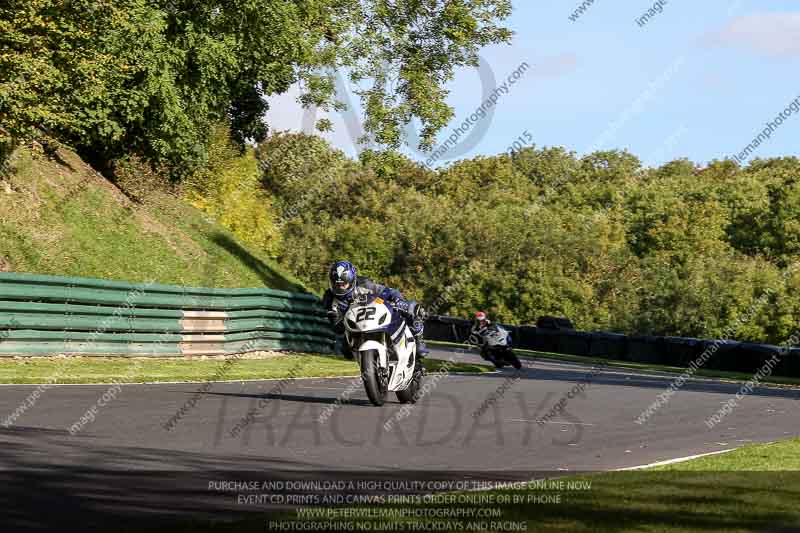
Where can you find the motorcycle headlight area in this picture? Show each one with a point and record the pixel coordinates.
(357, 338)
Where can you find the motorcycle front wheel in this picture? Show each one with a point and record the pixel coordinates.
(493, 357)
(375, 383)
(498, 363)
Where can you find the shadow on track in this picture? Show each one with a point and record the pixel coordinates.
(291, 398)
(625, 378)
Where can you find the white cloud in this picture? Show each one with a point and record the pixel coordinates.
(773, 34)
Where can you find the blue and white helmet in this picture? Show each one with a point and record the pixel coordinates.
(342, 276)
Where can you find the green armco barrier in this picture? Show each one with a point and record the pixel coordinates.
(84, 337)
(268, 313)
(53, 314)
(277, 345)
(294, 326)
(146, 297)
(87, 323)
(251, 335)
(41, 309)
(35, 342)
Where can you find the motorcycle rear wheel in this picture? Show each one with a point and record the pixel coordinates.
(411, 394)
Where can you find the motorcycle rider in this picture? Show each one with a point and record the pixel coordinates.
(345, 283)
(481, 326)
(499, 354)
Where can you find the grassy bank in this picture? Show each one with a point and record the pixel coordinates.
(151, 369)
(58, 216)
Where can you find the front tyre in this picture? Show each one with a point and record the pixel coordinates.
(375, 381)
(494, 357)
(512, 357)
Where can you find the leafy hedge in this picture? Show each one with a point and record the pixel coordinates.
(687, 250)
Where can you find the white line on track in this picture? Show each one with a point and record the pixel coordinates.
(678, 460)
(548, 422)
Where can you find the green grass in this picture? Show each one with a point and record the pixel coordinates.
(62, 218)
(776, 456)
(749, 489)
(717, 374)
(438, 365)
(754, 488)
(127, 370)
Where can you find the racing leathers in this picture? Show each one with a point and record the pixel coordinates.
(478, 333)
(409, 309)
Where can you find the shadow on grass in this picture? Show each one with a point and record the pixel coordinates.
(674, 501)
(640, 501)
(268, 275)
(54, 481)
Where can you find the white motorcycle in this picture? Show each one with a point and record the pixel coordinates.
(385, 349)
(497, 348)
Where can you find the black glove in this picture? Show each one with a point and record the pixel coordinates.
(420, 313)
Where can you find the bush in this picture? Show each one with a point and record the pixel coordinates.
(138, 179)
(230, 191)
(678, 250)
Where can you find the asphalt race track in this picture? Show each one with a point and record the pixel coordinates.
(126, 463)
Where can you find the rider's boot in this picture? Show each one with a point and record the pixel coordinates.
(422, 348)
(422, 351)
(417, 328)
(419, 366)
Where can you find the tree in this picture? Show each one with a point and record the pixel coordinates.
(153, 76)
(681, 249)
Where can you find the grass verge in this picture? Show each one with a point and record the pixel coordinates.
(705, 373)
(150, 369)
(754, 488)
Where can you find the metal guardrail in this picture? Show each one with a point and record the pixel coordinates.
(727, 355)
(53, 315)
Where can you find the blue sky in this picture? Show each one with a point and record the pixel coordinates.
(699, 80)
